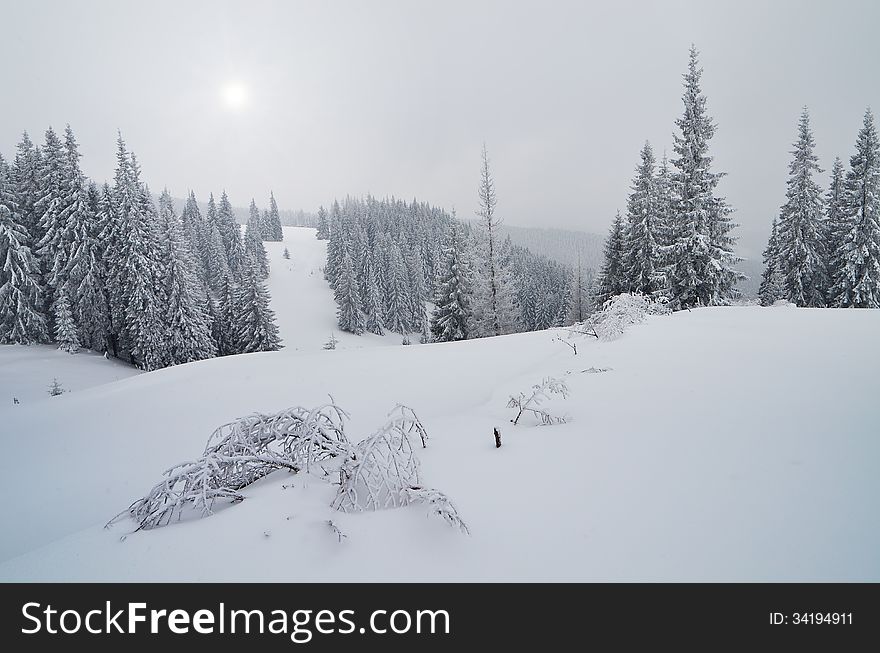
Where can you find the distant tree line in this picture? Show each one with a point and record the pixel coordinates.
(411, 268)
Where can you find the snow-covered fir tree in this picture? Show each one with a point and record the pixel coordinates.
(373, 303)
(25, 177)
(65, 328)
(323, 224)
(494, 309)
(858, 282)
(135, 268)
(22, 318)
(701, 258)
(216, 262)
(255, 327)
(772, 286)
(223, 330)
(664, 221)
(253, 242)
(801, 252)
(835, 226)
(195, 228)
(348, 300)
(187, 324)
(272, 230)
(53, 191)
(230, 233)
(452, 316)
(398, 308)
(642, 247)
(612, 278)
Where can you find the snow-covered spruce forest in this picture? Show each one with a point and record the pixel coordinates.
(160, 431)
(109, 270)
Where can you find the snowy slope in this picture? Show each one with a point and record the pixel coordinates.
(27, 372)
(302, 300)
(723, 444)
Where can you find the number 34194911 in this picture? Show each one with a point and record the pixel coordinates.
(811, 618)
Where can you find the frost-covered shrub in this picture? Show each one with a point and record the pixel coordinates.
(619, 313)
(239, 453)
(381, 471)
(531, 401)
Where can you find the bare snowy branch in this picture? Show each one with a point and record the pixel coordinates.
(530, 403)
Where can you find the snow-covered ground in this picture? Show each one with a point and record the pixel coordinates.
(722, 444)
(26, 373)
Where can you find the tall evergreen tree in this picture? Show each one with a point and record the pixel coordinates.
(26, 178)
(323, 224)
(494, 312)
(451, 317)
(216, 262)
(642, 250)
(230, 233)
(196, 229)
(349, 315)
(134, 266)
(701, 255)
(373, 308)
(858, 281)
(835, 226)
(53, 185)
(187, 334)
(612, 279)
(772, 281)
(65, 328)
(22, 320)
(253, 242)
(398, 310)
(224, 329)
(255, 321)
(273, 231)
(801, 252)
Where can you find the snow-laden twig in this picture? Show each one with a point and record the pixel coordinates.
(439, 505)
(530, 403)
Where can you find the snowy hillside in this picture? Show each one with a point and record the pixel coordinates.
(720, 444)
(301, 299)
(27, 372)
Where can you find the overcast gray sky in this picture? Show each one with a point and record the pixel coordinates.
(397, 97)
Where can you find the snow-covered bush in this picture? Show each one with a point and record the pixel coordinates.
(239, 453)
(381, 471)
(619, 313)
(380, 468)
(530, 402)
(55, 388)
